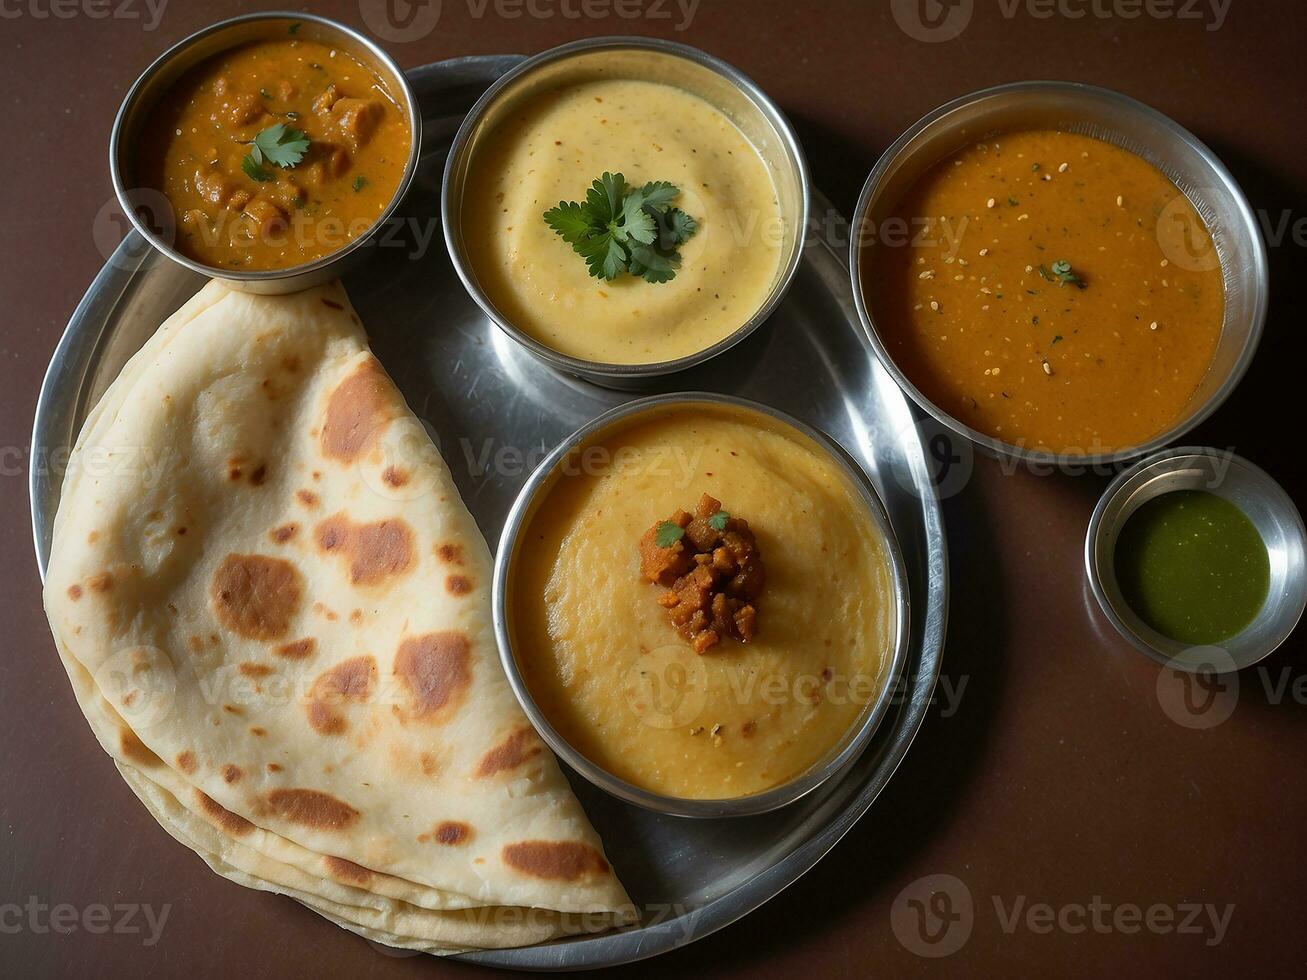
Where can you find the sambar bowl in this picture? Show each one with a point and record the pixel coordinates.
(1124, 122)
(152, 214)
(517, 537)
(680, 66)
(1265, 504)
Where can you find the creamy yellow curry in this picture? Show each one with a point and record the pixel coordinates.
(635, 693)
(550, 149)
(275, 153)
(1053, 291)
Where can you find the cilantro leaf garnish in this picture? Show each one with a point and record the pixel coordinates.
(619, 228)
(668, 534)
(282, 147)
(718, 521)
(1062, 274)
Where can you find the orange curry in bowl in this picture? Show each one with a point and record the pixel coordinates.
(1051, 290)
(275, 153)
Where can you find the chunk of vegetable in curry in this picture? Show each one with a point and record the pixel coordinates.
(237, 216)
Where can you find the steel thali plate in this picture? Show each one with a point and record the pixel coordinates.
(494, 411)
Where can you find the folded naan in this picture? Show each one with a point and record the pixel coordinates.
(275, 612)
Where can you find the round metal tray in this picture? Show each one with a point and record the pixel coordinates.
(495, 411)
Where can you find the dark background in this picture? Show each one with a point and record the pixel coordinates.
(1059, 778)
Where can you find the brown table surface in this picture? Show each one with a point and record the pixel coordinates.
(1059, 778)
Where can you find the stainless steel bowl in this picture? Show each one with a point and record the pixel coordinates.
(1253, 492)
(546, 477)
(722, 86)
(149, 210)
(1129, 124)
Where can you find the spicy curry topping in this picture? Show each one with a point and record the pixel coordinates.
(275, 153)
(712, 571)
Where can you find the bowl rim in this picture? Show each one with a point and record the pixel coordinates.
(606, 369)
(1098, 529)
(123, 193)
(859, 734)
(1259, 275)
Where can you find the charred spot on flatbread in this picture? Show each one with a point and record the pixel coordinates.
(256, 596)
(375, 551)
(311, 808)
(358, 411)
(349, 682)
(458, 585)
(233, 823)
(297, 649)
(555, 860)
(450, 833)
(436, 671)
(519, 747)
(345, 870)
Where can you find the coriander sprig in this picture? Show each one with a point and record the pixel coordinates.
(1063, 275)
(619, 228)
(277, 145)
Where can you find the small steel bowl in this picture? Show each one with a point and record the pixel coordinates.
(1250, 489)
(1133, 126)
(150, 211)
(713, 80)
(543, 480)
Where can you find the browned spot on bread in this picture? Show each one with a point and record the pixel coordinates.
(332, 303)
(307, 497)
(181, 530)
(349, 682)
(394, 476)
(258, 731)
(451, 833)
(93, 537)
(273, 767)
(186, 761)
(451, 554)
(458, 585)
(249, 669)
(348, 870)
(259, 475)
(130, 697)
(520, 746)
(233, 709)
(101, 583)
(357, 412)
(74, 592)
(290, 363)
(428, 764)
(436, 670)
(134, 749)
(555, 860)
(283, 533)
(231, 773)
(256, 596)
(375, 551)
(233, 823)
(356, 616)
(311, 808)
(297, 649)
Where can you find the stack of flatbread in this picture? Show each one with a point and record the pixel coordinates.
(275, 612)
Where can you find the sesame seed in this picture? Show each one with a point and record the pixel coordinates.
(1153, 325)
(1023, 217)
(1048, 368)
(1120, 201)
(989, 203)
(1062, 169)
(984, 251)
(1165, 263)
(927, 274)
(934, 305)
